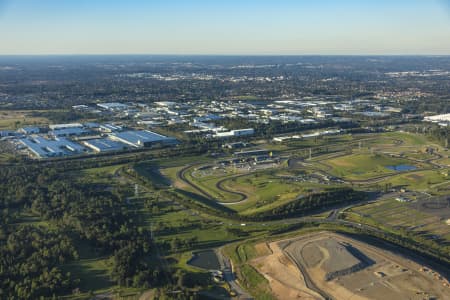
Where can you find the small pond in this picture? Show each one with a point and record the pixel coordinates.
(402, 168)
(205, 259)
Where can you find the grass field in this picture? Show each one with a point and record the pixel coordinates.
(364, 166)
(444, 161)
(393, 215)
(267, 191)
(419, 181)
(93, 270)
(15, 119)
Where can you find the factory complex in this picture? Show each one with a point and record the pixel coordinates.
(76, 139)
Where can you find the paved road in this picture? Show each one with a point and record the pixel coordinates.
(244, 197)
(182, 176)
(229, 277)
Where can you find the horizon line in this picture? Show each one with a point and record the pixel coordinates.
(224, 54)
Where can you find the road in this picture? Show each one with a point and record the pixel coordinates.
(332, 218)
(182, 176)
(244, 197)
(229, 277)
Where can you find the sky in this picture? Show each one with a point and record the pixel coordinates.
(228, 27)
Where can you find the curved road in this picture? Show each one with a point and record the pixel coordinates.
(219, 186)
(182, 176)
(333, 218)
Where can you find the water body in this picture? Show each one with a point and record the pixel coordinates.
(402, 168)
(205, 259)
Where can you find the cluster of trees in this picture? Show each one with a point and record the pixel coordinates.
(29, 263)
(73, 212)
(62, 116)
(432, 131)
(303, 205)
(132, 267)
(440, 134)
(438, 105)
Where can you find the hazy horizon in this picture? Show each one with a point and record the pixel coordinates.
(237, 28)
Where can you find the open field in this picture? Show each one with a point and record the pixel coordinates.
(422, 216)
(268, 190)
(418, 181)
(15, 119)
(364, 166)
(444, 161)
(301, 267)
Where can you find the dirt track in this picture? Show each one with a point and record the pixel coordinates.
(285, 279)
(388, 276)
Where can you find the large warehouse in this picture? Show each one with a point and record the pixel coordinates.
(44, 148)
(142, 138)
(104, 145)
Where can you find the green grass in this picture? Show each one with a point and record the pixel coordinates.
(94, 274)
(364, 166)
(152, 172)
(255, 282)
(181, 161)
(103, 170)
(208, 184)
(267, 191)
(419, 181)
(10, 120)
(407, 138)
(391, 216)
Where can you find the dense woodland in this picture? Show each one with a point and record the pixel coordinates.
(71, 213)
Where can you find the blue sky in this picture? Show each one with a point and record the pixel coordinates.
(224, 27)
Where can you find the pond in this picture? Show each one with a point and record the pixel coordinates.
(205, 259)
(402, 168)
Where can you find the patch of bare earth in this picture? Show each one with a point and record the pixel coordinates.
(345, 268)
(285, 279)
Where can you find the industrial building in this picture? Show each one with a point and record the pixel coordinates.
(29, 130)
(65, 126)
(71, 131)
(235, 133)
(442, 120)
(142, 138)
(110, 128)
(113, 106)
(105, 145)
(45, 148)
(7, 133)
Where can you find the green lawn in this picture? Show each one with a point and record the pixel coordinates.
(420, 181)
(16, 119)
(407, 138)
(364, 166)
(392, 215)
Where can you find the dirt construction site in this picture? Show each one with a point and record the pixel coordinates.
(331, 266)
